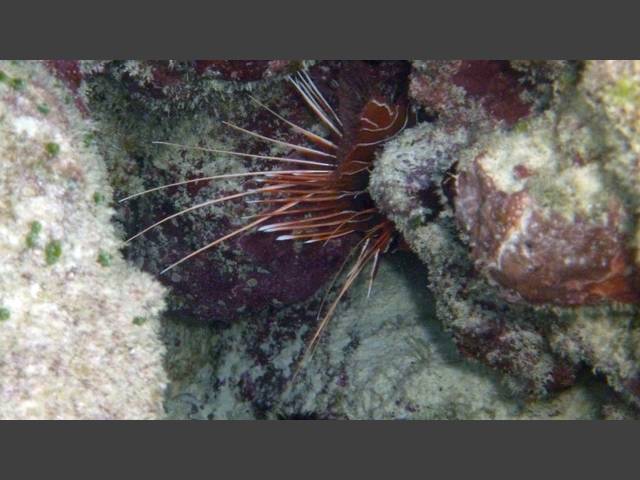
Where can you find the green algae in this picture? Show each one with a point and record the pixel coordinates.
(17, 83)
(34, 233)
(624, 91)
(52, 149)
(104, 258)
(43, 108)
(53, 251)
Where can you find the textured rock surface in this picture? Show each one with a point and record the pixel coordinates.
(540, 213)
(613, 88)
(79, 330)
(543, 224)
(172, 86)
(246, 274)
(470, 93)
(558, 134)
(607, 338)
(485, 326)
(382, 357)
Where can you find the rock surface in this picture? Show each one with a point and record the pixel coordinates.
(517, 188)
(535, 221)
(243, 276)
(385, 357)
(78, 325)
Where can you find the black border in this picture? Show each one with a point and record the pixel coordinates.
(290, 29)
(319, 29)
(388, 449)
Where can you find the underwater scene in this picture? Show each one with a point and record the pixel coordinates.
(320, 240)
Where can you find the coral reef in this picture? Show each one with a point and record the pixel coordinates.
(179, 86)
(536, 219)
(408, 184)
(241, 277)
(517, 188)
(245, 70)
(70, 345)
(473, 93)
(542, 218)
(381, 357)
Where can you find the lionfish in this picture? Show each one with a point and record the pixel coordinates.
(324, 196)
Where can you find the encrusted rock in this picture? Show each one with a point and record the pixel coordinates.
(485, 326)
(247, 274)
(474, 92)
(78, 325)
(383, 357)
(541, 214)
(524, 242)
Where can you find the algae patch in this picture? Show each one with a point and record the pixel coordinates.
(53, 251)
(34, 233)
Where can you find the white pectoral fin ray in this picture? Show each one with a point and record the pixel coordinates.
(310, 135)
(280, 142)
(205, 204)
(248, 155)
(220, 177)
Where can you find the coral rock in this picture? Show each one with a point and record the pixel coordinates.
(540, 212)
(245, 275)
(533, 258)
(541, 255)
(78, 325)
(484, 326)
(244, 70)
(470, 92)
